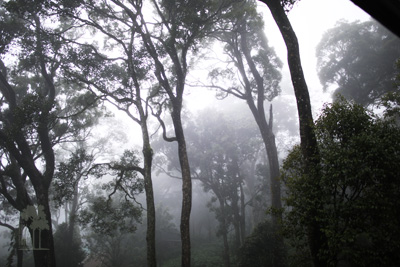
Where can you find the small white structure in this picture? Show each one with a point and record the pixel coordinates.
(38, 223)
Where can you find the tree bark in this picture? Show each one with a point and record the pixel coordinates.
(272, 152)
(266, 130)
(307, 135)
(224, 232)
(236, 221)
(258, 111)
(71, 223)
(186, 184)
(147, 165)
(242, 214)
(45, 257)
(148, 186)
(235, 202)
(174, 91)
(309, 146)
(19, 252)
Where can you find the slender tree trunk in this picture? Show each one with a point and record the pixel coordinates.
(273, 162)
(186, 184)
(236, 222)
(242, 215)
(268, 137)
(71, 225)
(224, 232)
(272, 152)
(66, 212)
(18, 245)
(72, 213)
(20, 257)
(235, 176)
(265, 128)
(307, 135)
(186, 204)
(147, 168)
(148, 186)
(250, 178)
(276, 204)
(176, 99)
(309, 146)
(175, 96)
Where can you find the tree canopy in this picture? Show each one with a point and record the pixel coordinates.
(358, 60)
(60, 59)
(357, 188)
(39, 111)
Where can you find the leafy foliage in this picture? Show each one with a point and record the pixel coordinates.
(104, 216)
(357, 189)
(112, 251)
(218, 153)
(167, 235)
(206, 255)
(110, 222)
(259, 249)
(249, 58)
(39, 109)
(391, 101)
(359, 59)
(41, 6)
(124, 173)
(288, 4)
(69, 174)
(68, 255)
(10, 28)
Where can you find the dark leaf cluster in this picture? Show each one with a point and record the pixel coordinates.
(355, 192)
(106, 216)
(23, 7)
(359, 60)
(69, 174)
(258, 248)
(68, 254)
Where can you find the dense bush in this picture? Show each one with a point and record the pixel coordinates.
(358, 188)
(262, 248)
(68, 254)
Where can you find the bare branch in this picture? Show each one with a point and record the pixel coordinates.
(9, 226)
(162, 124)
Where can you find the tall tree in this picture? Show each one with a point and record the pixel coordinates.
(251, 59)
(220, 150)
(177, 33)
(34, 119)
(224, 149)
(359, 185)
(29, 112)
(358, 58)
(122, 78)
(109, 222)
(172, 38)
(308, 144)
(113, 211)
(67, 191)
(68, 247)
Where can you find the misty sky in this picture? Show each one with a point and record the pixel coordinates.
(310, 19)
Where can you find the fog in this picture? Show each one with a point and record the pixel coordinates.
(218, 155)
